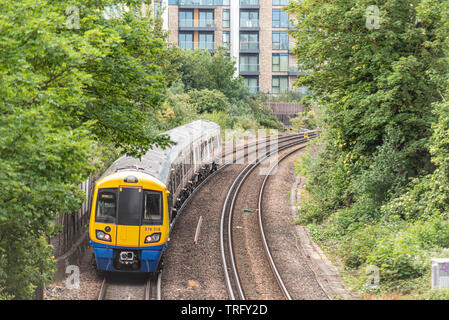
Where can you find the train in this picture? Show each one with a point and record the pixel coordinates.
(135, 203)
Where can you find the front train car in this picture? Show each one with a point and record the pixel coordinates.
(135, 202)
(129, 222)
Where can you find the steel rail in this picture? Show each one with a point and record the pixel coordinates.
(262, 231)
(245, 172)
(152, 282)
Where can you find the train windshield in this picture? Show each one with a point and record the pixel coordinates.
(152, 212)
(106, 206)
(129, 207)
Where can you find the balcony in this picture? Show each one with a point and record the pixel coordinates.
(192, 4)
(209, 23)
(249, 4)
(208, 45)
(249, 46)
(249, 69)
(190, 45)
(249, 25)
(284, 45)
(197, 25)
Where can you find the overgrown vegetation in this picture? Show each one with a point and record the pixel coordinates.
(378, 177)
(207, 89)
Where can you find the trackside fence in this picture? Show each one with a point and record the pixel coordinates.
(74, 225)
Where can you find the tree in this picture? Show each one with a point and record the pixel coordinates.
(372, 82)
(208, 100)
(68, 83)
(214, 71)
(377, 183)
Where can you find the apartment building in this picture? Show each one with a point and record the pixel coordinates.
(253, 31)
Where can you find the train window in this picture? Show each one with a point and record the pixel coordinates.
(202, 150)
(172, 183)
(106, 206)
(129, 206)
(178, 174)
(152, 212)
(197, 155)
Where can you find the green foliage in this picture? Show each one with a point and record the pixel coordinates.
(436, 294)
(214, 71)
(306, 119)
(377, 190)
(65, 96)
(207, 89)
(208, 100)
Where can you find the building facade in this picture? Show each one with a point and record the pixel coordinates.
(253, 31)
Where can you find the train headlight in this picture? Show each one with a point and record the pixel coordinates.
(155, 237)
(102, 235)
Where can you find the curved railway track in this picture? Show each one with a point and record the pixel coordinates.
(233, 281)
(150, 288)
(284, 138)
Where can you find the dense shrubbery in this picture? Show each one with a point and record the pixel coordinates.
(378, 191)
(207, 89)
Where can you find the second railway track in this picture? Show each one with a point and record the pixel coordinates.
(193, 269)
(248, 257)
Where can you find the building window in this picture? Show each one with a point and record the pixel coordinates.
(226, 39)
(279, 84)
(226, 18)
(185, 18)
(226, 2)
(249, 19)
(253, 84)
(280, 2)
(186, 40)
(206, 19)
(280, 62)
(206, 41)
(249, 41)
(249, 63)
(280, 18)
(280, 40)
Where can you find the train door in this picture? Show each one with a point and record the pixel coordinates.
(129, 216)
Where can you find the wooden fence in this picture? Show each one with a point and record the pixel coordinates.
(74, 224)
(285, 110)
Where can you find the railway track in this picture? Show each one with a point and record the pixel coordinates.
(131, 287)
(234, 283)
(235, 150)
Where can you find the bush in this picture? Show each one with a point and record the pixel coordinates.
(208, 101)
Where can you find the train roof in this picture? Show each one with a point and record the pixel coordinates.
(157, 162)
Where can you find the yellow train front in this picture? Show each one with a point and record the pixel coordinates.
(135, 203)
(129, 222)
